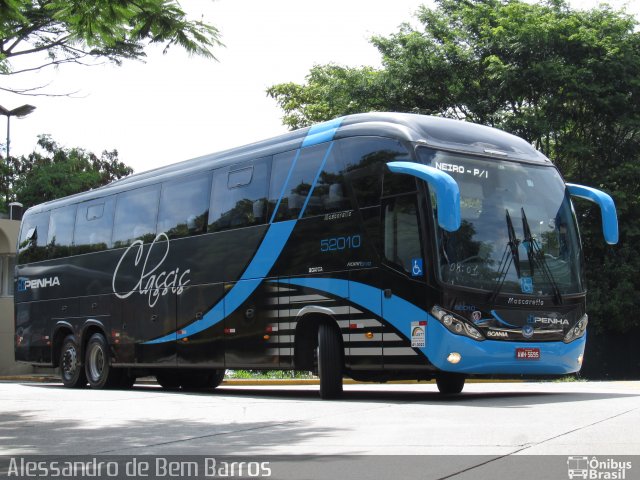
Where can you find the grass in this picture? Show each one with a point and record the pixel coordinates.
(268, 374)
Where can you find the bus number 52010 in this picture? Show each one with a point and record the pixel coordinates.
(340, 243)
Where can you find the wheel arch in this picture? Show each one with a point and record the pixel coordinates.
(308, 322)
(89, 328)
(60, 331)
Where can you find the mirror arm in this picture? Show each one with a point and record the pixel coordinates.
(607, 209)
(446, 188)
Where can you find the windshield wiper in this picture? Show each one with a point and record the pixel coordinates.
(509, 256)
(535, 255)
(513, 243)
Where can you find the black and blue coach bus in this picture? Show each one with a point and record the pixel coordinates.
(375, 246)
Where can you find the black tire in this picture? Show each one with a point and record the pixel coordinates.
(126, 381)
(330, 362)
(168, 379)
(71, 369)
(218, 377)
(97, 364)
(201, 379)
(450, 383)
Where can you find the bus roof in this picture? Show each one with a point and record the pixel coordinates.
(437, 132)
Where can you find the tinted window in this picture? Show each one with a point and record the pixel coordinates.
(401, 232)
(236, 203)
(184, 206)
(135, 218)
(279, 172)
(94, 222)
(299, 185)
(330, 193)
(33, 237)
(365, 158)
(60, 235)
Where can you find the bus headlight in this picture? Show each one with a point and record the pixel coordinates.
(456, 324)
(577, 330)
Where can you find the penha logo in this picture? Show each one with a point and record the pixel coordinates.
(532, 319)
(25, 284)
(152, 281)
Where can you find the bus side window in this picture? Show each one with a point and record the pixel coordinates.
(330, 193)
(365, 158)
(60, 235)
(33, 238)
(135, 217)
(279, 171)
(401, 234)
(295, 192)
(239, 196)
(94, 223)
(184, 206)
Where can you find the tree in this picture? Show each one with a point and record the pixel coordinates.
(60, 171)
(565, 80)
(55, 32)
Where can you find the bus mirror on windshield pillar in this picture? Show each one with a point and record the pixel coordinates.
(446, 188)
(607, 209)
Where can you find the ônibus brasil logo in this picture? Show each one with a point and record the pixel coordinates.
(596, 468)
(25, 284)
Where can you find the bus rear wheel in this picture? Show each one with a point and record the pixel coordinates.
(330, 366)
(97, 364)
(71, 370)
(450, 383)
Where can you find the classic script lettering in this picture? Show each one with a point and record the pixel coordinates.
(152, 282)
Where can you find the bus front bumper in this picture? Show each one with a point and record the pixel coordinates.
(499, 357)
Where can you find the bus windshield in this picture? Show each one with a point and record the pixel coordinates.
(518, 232)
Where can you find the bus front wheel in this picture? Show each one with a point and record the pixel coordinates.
(450, 383)
(329, 356)
(71, 370)
(98, 369)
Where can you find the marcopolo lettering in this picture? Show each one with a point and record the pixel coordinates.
(537, 302)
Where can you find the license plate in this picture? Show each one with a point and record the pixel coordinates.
(528, 353)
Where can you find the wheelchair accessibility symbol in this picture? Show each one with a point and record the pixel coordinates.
(416, 267)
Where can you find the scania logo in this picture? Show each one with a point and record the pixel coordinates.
(527, 331)
(497, 334)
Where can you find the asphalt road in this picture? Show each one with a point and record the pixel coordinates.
(583, 418)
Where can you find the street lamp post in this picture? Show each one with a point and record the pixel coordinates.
(18, 112)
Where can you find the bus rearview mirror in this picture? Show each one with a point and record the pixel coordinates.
(446, 190)
(607, 209)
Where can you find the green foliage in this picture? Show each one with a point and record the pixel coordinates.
(331, 91)
(53, 32)
(269, 374)
(566, 80)
(58, 171)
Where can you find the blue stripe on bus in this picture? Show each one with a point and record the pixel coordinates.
(499, 318)
(486, 357)
(284, 185)
(398, 311)
(315, 180)
(322, 132)
(268, 252)
(263, 261)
